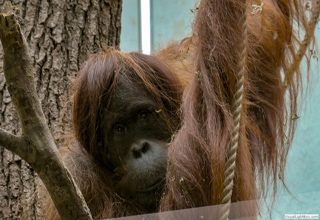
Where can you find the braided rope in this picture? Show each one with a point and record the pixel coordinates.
(305, 43)
(236, 112)
(237, 105)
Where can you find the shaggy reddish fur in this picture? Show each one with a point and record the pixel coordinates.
(205, 65)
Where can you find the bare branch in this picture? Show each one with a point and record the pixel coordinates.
(12, 142)
(36, 144)
(19, 75)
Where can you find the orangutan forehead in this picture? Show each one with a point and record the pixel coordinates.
(129, 94)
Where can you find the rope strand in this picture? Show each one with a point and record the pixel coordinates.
(237, 114)
(240, 96)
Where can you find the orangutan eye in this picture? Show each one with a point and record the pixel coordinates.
(144, 115)
(119, 129)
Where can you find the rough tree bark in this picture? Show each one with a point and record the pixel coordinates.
(60, 34)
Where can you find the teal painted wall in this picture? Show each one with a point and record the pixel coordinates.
(130, 31)
(171, 20)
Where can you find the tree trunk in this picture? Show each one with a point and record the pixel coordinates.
(61, 35)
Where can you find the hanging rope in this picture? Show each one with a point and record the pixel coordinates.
(239, 96)
(305, 43)
(236, 112)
